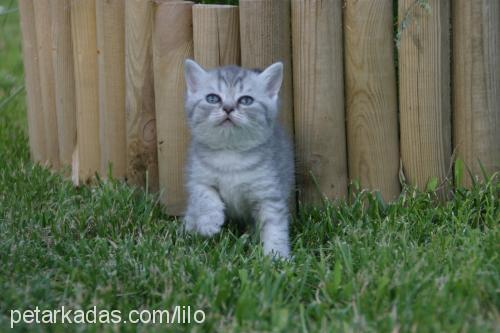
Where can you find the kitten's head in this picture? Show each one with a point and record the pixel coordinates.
(232, 107)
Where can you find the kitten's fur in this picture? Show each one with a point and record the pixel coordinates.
(243, 168)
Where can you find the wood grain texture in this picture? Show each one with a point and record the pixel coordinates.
(216, 35)
(319, 99)
(111, 58)
(62, 60)
(265, 39)
(86, 160)
(371, 96)
(172, 44)
(44, 43)
(476, 85)
(424, 74)
(142, 159)
(36, 124)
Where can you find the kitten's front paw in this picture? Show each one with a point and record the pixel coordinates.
(189, 223)
(210, 225)
(206, 225)
(278, 252)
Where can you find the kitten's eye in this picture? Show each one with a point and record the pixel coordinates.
(245, 100)
(213, 99)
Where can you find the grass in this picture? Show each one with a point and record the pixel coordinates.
(414, 265)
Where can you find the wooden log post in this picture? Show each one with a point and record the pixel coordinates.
(265, 39)
(142, 159)
(319, 99)
(36, 124)
(86, 159)
(476, 85)
(216, 35)
(172, 44)
(111, 58)
(425, 102)
(62, 60)
(44, 43)
(371, 96)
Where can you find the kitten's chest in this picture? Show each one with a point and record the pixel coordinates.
(235, 194)
(232, 176)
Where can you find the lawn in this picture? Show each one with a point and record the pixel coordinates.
(414, 265)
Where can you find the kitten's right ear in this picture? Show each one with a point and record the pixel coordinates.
(194, 74)
(273, 77)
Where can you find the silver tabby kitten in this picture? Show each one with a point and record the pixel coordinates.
(240, 161)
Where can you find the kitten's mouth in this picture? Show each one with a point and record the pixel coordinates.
(227, 122)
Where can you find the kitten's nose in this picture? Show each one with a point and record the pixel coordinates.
(228, 109)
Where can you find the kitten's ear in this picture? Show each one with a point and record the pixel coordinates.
(194, 74)
(273, 77)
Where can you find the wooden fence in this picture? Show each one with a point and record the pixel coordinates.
(363, 98)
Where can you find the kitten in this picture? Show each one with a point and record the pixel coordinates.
(240, 161)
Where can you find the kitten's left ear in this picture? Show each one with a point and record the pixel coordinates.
(194, 74)
(273, 77)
